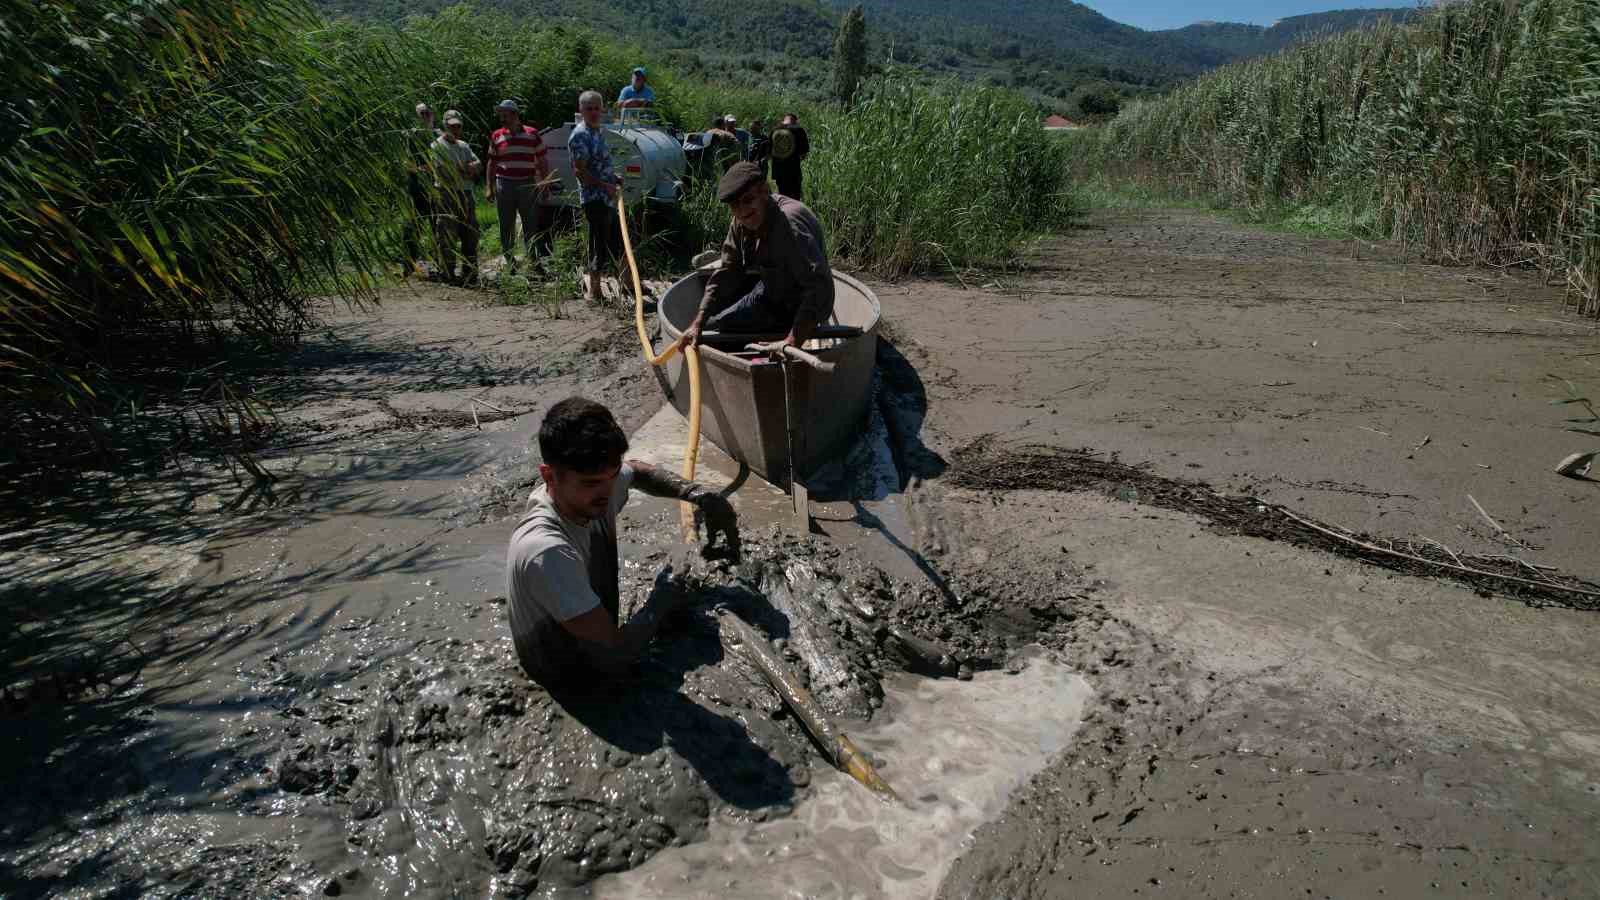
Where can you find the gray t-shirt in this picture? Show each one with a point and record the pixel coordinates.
(550, 567)
(448, 158)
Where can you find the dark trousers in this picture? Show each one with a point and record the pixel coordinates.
(456, 218)
(605, 235)
(788, 182)
(519, 199)
(754, 313)
(419, 222)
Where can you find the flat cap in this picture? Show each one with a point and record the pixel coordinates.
(739, 176)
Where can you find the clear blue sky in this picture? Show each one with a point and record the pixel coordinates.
(1154, 14)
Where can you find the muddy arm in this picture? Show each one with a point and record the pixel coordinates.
(659, 482)
(611, 649)
(719, 514)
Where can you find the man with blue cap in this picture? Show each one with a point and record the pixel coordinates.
(637, 94)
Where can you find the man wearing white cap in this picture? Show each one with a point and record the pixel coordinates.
(518, 172)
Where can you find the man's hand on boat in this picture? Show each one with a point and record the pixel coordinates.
(691, 335)
(774, 350)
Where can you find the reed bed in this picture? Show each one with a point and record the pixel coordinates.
(1472, 134)
(182, 184)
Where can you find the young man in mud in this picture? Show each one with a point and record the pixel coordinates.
(561, 567)
(774, 276)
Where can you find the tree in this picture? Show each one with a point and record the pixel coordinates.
(850, 55)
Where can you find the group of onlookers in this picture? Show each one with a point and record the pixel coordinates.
(519, 180)
(778, 153)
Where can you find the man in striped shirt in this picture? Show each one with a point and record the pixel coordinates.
(518, 173)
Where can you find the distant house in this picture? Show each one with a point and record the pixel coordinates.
(1057, 123)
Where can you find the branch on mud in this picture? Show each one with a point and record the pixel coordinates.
(981, 465)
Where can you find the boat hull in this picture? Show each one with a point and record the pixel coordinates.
(742, 394)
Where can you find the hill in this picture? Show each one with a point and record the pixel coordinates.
(1064, 55)
(1235, 41)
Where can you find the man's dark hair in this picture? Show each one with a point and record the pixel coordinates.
(580, 434)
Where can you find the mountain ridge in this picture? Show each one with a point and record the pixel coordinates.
(1067, 57)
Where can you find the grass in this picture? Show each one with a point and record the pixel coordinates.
(1470, 135)
(1310, 218)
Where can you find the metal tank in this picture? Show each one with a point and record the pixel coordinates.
(645, 153)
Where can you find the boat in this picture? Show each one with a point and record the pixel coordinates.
(742, 392)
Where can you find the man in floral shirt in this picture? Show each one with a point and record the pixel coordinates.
(597, 187)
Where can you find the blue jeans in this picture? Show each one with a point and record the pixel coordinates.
(753, 313)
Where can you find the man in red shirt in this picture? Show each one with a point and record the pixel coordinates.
(518, 178)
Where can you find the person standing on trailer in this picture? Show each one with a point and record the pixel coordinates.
(518, 170)
(636, 94)
(790, 146)
(597, 187)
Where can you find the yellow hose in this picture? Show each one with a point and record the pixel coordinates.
(691, 358)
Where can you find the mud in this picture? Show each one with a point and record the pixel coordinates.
(1274, 715)
(989, 465)
(214, 689)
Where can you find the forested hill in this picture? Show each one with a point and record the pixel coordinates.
(1235, 41)
(1070, 58)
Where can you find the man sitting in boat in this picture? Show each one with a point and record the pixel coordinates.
(774, 277)
(561, 567)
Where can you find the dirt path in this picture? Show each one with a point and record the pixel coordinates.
(1276, 721)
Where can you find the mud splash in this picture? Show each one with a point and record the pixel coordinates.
(955, 749)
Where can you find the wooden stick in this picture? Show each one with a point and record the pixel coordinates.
(821, 331)
(1490, 519)
(491, 406)
(795, 353)
(1479, 573)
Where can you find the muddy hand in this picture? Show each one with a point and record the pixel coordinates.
(719, 519)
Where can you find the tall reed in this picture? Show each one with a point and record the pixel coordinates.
(917, 178)
(1473, 134)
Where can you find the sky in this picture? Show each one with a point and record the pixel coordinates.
(1155, 14)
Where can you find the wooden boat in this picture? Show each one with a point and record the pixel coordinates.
(742, 392)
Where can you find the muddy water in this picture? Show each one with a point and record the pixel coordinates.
(954, 750)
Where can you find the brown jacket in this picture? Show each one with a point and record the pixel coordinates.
(791, 258)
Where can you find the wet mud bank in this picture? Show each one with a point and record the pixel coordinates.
(446, 770)
(319, 696)
(1225, 753)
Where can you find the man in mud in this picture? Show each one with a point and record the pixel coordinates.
(774, 276)
(561, 567)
